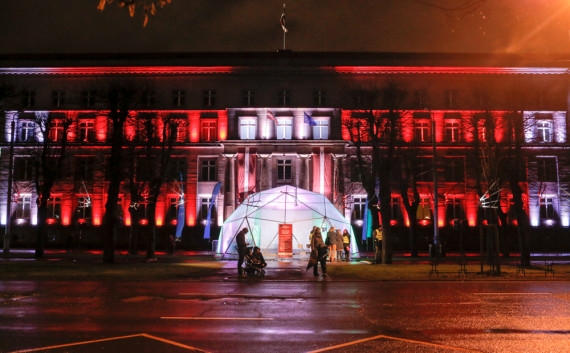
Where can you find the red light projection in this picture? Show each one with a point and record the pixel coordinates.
(442, 70)
(222, 124)
(194, 117)
(135, 70)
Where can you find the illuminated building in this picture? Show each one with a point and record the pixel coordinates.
(241, 120)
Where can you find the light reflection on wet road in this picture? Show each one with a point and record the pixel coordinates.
(249, 315)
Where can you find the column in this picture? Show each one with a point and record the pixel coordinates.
(305, 184)
(230, 198)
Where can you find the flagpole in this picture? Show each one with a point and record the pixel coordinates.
(282, 21)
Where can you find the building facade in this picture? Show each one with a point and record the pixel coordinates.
(254, 121)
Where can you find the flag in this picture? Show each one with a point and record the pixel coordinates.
(271, 116)
(309, 120)
(282, 20)
(209, 217)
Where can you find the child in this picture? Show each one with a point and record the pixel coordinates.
(257, 258)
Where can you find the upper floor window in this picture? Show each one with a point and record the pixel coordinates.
(450, 98)
(544, 130)
(420, 99)
(23, 207)
(84, 168)
(176, 169)
(284, 98)
(321, 130)
(27, 131)
(248, 98)
(178, 98)
(452, 131)
(29, 99)
(208, 130)
(176, 131)
(23, 169)
(284, 128)
(86, 130)
(454, 169)
(58, 98)
(56, 131)
(88, 98)
(208, 170)
(422, 131)
(358, 207)
(319, 98)
(284, 169)
(209, 98)
(546, 169)
(149, 99)
(247, 129)
(425, 168)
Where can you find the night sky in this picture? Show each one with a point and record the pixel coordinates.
(75, 26)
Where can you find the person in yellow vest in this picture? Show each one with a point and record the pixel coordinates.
(378, 236)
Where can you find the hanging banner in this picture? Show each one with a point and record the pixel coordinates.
(285, 240)
(209, 218)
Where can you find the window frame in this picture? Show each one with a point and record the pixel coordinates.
(284, 167)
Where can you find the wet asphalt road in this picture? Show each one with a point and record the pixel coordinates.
(285, 316)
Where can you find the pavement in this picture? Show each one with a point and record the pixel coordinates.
(205, 266)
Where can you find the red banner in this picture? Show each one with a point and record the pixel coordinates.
(285, 240)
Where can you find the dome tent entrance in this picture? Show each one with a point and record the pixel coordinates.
(263, 212)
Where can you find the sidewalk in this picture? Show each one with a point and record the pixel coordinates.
(204, 266)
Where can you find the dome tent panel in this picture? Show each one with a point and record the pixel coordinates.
(263, 212)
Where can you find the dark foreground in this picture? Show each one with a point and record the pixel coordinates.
(253, 315)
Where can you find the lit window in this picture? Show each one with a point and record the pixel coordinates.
(424, 209)
(284, 169)
(23, 207)
(358, 208)
(284, 98)
(546, 169)
(208, 170)
(58, 98)
(178, 98)
(546, 208)
(321, 130)
(56, 131)
(88, 98)
(208, 131)
(320, 97)
(284, 129)
(54, 208)
(209, 98)
(422, 131)
(544, 130)
(27, 131)
(452, 131)
(86, 131)
(247, 129)
(248, 98)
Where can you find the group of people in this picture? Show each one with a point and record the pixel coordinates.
(253, 258)
(330, 250)
(338, 243)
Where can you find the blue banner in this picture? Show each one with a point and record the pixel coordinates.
(365, 225)
(209, 219)
(180, 217)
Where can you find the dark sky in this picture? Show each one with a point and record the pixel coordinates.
(498, 26)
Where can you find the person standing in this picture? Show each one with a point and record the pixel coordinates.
(339, 247)
(378, 236)
(241, 248)
(346, 245)
(331, 242)
(319, 250)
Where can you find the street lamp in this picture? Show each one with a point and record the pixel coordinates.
(436, 242)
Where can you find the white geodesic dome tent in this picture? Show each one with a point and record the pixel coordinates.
(263, 212)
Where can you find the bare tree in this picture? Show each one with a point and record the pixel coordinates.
(148, 7)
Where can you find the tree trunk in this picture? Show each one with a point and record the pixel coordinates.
(41, 229)
(151, 244)
(133, 232)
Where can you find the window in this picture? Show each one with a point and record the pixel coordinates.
(284, 129)
(143, 211)
(84, 209)
(27, 131)
(451, 131)
(422, 131)
(84, 168)
(29, 99)
(424, 209)
(420, 98)
(208, 170)
(284, 98)
(247, 129)
(355, 171)
(86, 130)
(544, 130)
(149, 98)
(88, 98)
(56, 131)
(284, 169)
(454, 169)
(204, 206)
(58, 98)
(54, 208)
(119, 209)
(320, 97)
(425, 168)
(176, 131)
(321, 130)
(482, 130)
(395, 209)
(209, 96)
(23, 207)
(358, 207)
(453, 207)
(546, 169)
(178, 98)
(248, 98)
(208, 130)
(23, 169)
(176, 167)
(173, 203)
(450, 99)
(546, 208)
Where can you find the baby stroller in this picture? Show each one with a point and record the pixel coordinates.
(251, 268)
